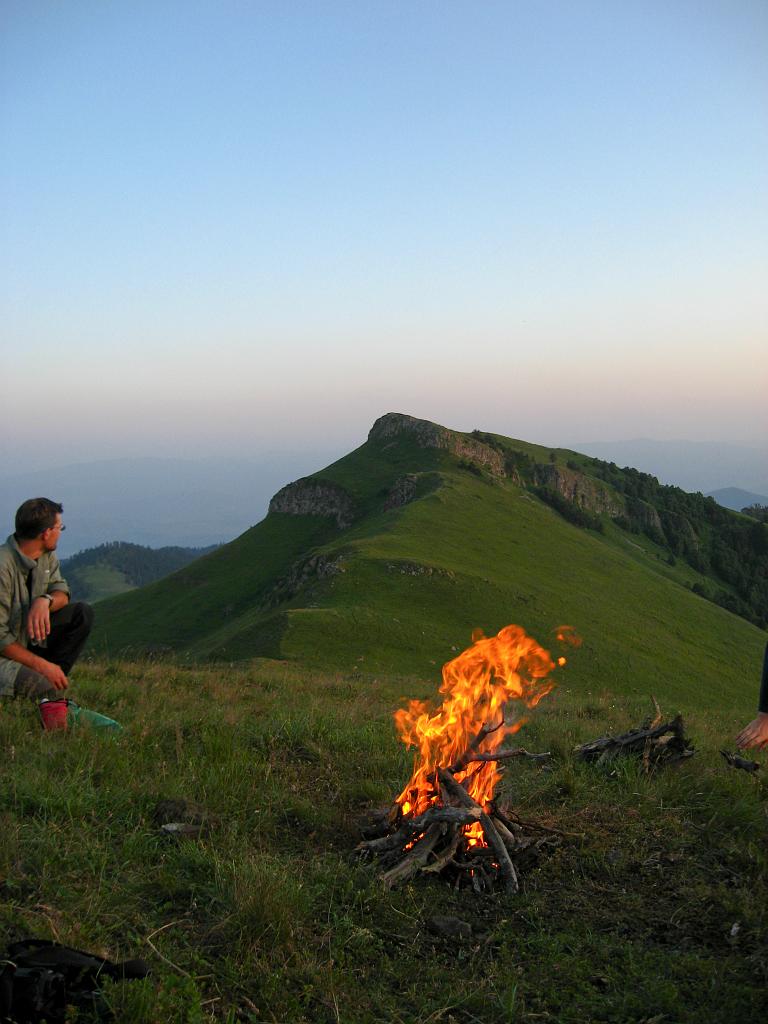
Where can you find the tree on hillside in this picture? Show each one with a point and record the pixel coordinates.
(759, 512)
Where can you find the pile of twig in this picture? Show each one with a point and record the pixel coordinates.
(657, 742)
(436, 841)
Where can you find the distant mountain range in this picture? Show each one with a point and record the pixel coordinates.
(735, 498)
(117, 567)
(387, 559)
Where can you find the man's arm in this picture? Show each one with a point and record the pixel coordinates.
(756, 733)
(39, 616)
(9, 648)
(54, 675)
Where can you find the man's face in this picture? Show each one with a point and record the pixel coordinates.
(50, 537)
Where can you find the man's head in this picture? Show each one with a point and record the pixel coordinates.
(39, 517)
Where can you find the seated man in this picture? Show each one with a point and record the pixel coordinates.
(41, 632)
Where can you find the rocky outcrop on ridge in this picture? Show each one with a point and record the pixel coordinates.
(303, 572)
(644, 517)
(581, 490)
(418, 569)
(311, 497)
(314, 497)
(432, 435)
(401, 492)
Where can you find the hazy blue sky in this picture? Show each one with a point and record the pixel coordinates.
(231, 227)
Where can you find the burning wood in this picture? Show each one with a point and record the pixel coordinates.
(445, 820)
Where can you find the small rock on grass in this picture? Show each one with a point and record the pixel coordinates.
(445, 927)
(182, 829)
(183, 818)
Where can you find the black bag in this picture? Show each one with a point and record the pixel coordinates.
(40, 979)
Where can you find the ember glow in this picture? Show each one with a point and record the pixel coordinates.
(484, 691)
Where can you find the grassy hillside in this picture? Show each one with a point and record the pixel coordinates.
(655, 909)
(400, 588)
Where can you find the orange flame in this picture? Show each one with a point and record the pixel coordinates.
(479, 688)
(568, 635)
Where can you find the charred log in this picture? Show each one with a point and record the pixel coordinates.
(735, 761)
(457, 792)
(657, 745)
(504, 754)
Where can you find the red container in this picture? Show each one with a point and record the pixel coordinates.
(53, 714)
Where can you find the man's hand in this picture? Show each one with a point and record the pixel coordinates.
(39, 619)
(52, 673)
(755, 734)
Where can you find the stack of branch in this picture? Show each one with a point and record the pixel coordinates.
(436, 842)
(657, 742)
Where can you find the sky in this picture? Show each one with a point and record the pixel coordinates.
(232, 228)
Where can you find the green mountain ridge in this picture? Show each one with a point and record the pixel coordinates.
(386, 560)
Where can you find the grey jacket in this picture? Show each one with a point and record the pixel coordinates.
(15, 600)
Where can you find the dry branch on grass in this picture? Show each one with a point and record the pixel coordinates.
(735, 761)
(506, 754)
(657, 743)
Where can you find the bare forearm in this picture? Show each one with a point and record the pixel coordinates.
(53, 673)
(17, 652)
(39, 615)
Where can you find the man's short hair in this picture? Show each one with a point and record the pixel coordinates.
(36, 516)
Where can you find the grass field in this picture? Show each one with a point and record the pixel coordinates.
(658, 914)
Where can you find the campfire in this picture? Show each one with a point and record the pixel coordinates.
(446, 819)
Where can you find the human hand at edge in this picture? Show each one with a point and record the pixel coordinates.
(755, 734)
(39, 619)
(55, 675)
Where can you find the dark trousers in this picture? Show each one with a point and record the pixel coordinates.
(70, 627)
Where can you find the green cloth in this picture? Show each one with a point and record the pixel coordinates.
(15, 598)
